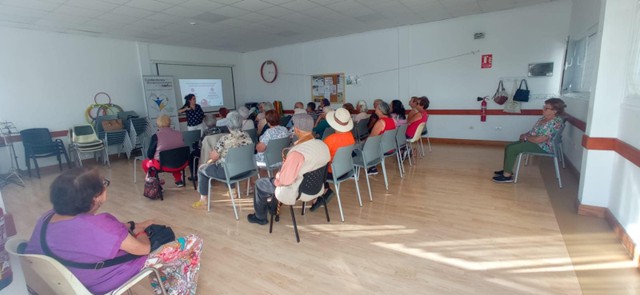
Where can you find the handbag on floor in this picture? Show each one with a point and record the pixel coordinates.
(152, 186)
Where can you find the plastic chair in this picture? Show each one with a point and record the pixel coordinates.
(555, 154)
(138, 132)
(190, 137)
(424, 134)
(174, 160)
(362, 131)
(284, 120)
(417, 137)
(273, 155)
(116, 137)
(253, 133)
(342, 170)
(389, 149)
(84, 139)
(312, 184)
(239, 165)
(45, 275)
(401, 144)
(38, 143)
(369, 156)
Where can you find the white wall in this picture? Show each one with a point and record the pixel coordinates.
(49, 79)
(608, 179)
(421, 60)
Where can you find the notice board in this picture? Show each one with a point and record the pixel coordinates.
(329, 86)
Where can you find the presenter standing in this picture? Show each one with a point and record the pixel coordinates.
(193, 111)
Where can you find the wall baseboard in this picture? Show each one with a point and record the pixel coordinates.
(621, 233)
(468, 141)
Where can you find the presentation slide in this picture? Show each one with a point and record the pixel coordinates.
(208, 91)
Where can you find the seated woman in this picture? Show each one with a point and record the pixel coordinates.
(165, 139)
(223, 112)
(213, 167)
(275, 131)
(398, 113)
(362, 111)
(418, 114)
(536, 140)
(247, 124)
(76, 232)
(260, 119)
(383, 124)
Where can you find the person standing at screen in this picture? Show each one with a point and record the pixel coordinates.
(193, 111)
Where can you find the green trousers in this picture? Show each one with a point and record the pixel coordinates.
(512, 150)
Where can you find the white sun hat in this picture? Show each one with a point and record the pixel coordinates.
(340, 120)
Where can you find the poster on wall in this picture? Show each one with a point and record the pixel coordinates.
(486, 61)
(160, 99)
(329, 86)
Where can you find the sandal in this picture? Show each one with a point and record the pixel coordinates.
(198, 204)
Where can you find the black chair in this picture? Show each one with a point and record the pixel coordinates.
(38, 143)
(312, 183)
(284, 120)
(175, 159)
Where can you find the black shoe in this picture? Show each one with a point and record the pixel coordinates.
(503, 179)
(372, 171)
(192, 178)
(179, 183)
(317, 204)
(253, 219)
(501, 172)
(328, 196)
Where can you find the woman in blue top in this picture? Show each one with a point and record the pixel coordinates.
(536, 140)
(194, 112)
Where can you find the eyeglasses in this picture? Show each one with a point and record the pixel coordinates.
(106, 182)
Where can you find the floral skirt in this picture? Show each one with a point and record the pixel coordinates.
(178, 263)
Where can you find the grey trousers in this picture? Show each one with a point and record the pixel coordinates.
(264, 190)
(211, 170)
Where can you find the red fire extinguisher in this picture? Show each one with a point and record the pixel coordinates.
(483, 110)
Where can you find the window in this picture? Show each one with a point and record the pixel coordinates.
(580, 65)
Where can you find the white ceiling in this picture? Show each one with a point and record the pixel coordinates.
(234, 25)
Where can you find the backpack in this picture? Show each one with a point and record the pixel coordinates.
(152, 186)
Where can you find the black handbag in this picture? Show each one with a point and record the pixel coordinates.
(521, 94)
(159, 235)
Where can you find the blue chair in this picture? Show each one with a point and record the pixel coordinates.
(38, 143)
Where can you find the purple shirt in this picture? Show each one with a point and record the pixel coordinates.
(89, 238)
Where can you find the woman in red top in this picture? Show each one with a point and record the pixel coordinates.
(383, 124)
(418, 114)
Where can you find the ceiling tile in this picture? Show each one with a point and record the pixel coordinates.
(275, 11)
(231, 11)
(277, 2)
(253, 17)
(326, 2)
(24, 12)
(118, 18)
(92, 4)
(210, 17)
(172, 2)
(131, 11)
(77, 11)
(120, 2)
(299, 5)
(65, 18)
(148, 5)
(181, 11)
(166, 18)
(17, 19)
(32, 4)
(226, 2)
(202, 5)
(252, 5)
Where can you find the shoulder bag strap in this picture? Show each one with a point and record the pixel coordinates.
(99, 265)
(526, 86)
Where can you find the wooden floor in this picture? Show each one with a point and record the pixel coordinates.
(443, 229)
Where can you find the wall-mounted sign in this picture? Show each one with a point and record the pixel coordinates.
(487, 61)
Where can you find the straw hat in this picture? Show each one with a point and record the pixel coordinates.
(340, 120)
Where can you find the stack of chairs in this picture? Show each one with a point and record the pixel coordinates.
(119, 138)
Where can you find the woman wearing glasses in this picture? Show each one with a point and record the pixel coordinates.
(536, 140)
(75, 232)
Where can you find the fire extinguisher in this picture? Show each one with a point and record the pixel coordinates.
(483, 109)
